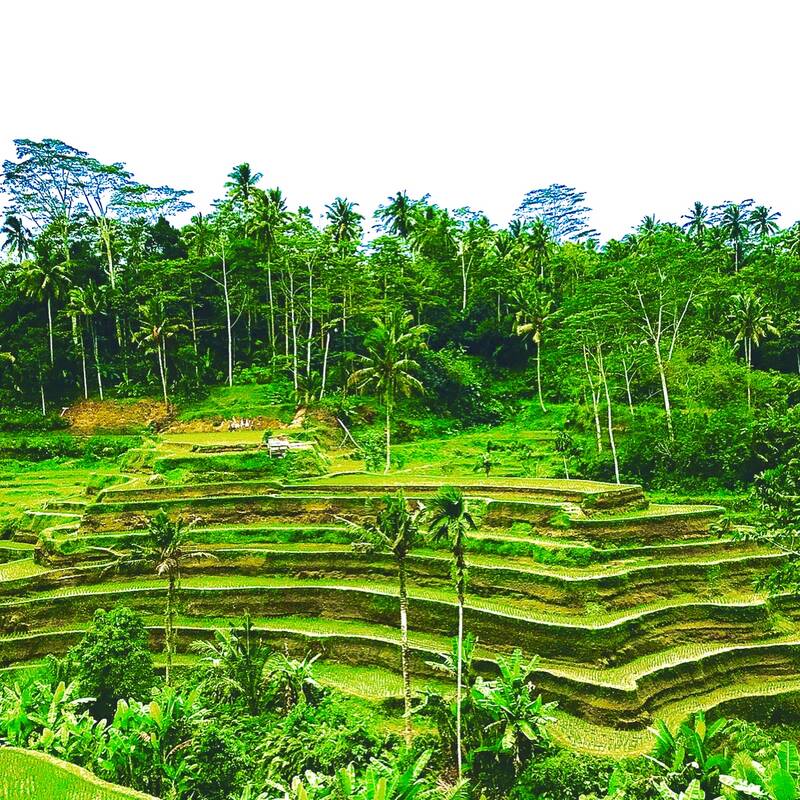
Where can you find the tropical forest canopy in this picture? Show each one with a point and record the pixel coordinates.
(683, 332)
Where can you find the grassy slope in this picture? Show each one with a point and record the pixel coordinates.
(25, 775)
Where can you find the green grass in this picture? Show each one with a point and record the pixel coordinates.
(26, 775)
(248, 401)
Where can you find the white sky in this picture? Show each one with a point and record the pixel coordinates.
(646, 105)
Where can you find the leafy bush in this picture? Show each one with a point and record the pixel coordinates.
(564, 775)
(453, 385)
(113, 660)
(17, 420)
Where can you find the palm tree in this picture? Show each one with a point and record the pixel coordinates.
(198, 236)
(449, 520)
(167, 551)
(538, 245)
(44, 282)
(268, 216)
(17, 239)
(696, 220)
(154, 330)
(399, 216)
(345, 221)
(241, 181)
(389, 364)
(534, 308)
(734, 225)
(764, 221)
(396, 529)
(750, 322)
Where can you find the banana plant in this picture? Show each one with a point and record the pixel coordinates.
(692, 792)
(777, 780)
(692, 752)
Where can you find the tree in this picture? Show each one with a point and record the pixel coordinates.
(779, 779)
(44, 281)
(112, 660)
(155, 328)
(234, 665)
(268, 218)
(345, 221)
(166, 552)
(561, 208)
(534, 308)
(734, 224)
(696, 220)
(389, 365)
(241, 182)
(764, 221)
(396, 529)
(750, 322)
(449, 520)
(17, 238)
(399, 215)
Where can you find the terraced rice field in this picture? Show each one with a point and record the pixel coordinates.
(637, 611)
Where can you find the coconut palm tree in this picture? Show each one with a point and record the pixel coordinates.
(696, 220)
(268, 216)
(538, 245)
(389, 365)
(399, 215)
(750, 322)
(534, 308)
(198, 236)
(396, 529)
(168, 551)
(345, 221)
(449, 521)
(44, 282)
(154, 330)
(241, 182)
(734, 224)
(764, 221)
(17, 238)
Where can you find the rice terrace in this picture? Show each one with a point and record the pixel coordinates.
(399, 470)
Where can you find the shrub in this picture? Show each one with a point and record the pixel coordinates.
(565, 775)
(454, 386)
(219, 762)
(113, 660)
(17, 420)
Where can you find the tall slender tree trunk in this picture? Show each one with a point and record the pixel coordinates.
(460, 591)
(662, 374)
(41, 392)
(464, 277)
(388, 431)
(169, 625)
(748, 354)
(310, 323)
(595, 402)
(50, 329)
(83, 362)
(162, 372)
(539, 374)
(566, 468)
(271, 302)
(404, 651)
(627, 385)
(325, 363)
(97, 360)
(611, 440)
(294, 331)
(227, 316)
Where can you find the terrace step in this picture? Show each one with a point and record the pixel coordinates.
(603, 639)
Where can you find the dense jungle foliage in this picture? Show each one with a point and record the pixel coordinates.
(683, 335)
